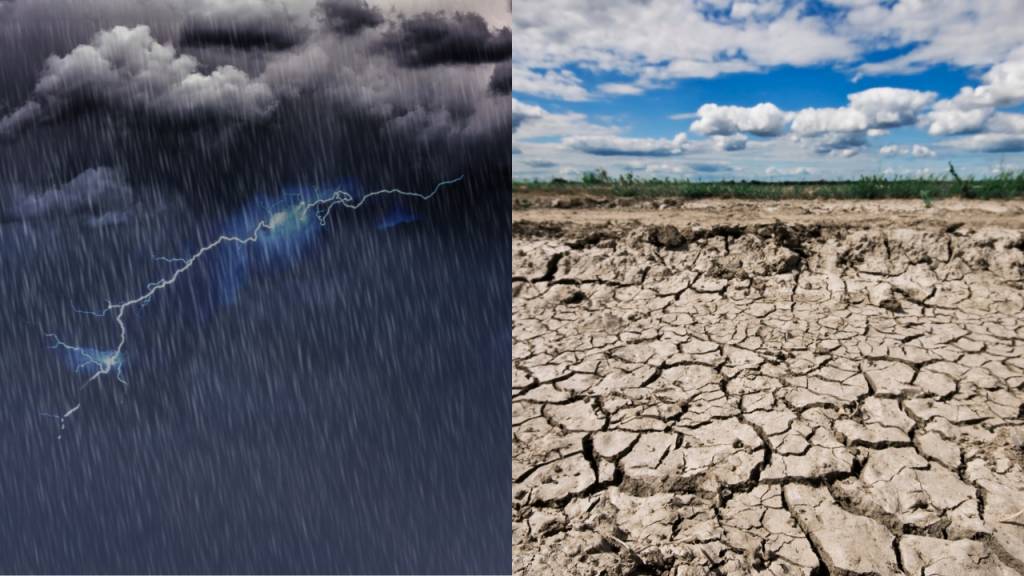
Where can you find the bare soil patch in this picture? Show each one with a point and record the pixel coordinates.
(791, 387)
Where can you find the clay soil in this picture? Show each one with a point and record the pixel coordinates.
(773, 387)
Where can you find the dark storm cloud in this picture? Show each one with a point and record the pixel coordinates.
(224, 125)
(348, 17)
(266, 35)
(501, 79)
(127, 69)
(101, 195)
(438, 38)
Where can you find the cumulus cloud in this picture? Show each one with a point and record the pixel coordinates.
(1007, 123)
(432, 39)
(916, 150)
(1003, 85)
(622, 146)
(948, 119)
(349, 17)
(891, 107)
(221, 122)
(731, 143)
(974, 110)
(126, 68)
(998, 132)
(843, 131)
(815, 121)
(764, 119)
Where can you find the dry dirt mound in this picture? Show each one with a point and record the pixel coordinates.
(767, 399)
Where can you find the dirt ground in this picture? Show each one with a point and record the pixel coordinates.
(793, 387)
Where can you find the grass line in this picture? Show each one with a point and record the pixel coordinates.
(1003, 186)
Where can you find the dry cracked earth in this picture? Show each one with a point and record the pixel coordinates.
(767, 398)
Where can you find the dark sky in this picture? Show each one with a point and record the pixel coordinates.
(341, 406)
(216, 99)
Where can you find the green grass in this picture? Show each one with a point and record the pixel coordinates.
(1003, 186)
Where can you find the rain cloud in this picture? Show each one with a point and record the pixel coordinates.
(431, 39)
(218, 101)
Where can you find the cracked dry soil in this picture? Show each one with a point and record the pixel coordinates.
(767, 398)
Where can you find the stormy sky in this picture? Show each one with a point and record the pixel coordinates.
(214, 101)
(332, 398)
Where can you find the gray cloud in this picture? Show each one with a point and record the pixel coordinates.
(841, 143)
(437, 38)
(348, 17)
(501, 79)
(94, 193)
(218, 125)
(126, 68)
(540, 163)
(710, 168)
(272, 34)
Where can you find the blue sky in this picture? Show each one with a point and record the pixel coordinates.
(772, 89)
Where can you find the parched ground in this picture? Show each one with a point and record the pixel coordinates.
(768, 388)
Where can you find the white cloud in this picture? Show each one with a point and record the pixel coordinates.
(916, 150)
(974, 110)
(530, 122)
(869, 111)
(816, 121)
(1001, 132)
(948, 119)
(620, 89)
(993, 142)
(789, 171)
(1007, 123)
(758, 9)
(764, 119)
(622, 146)
(891, 107)
(1002, 85)
(962, 33)
(555, 84)
(524, 112)
(921, 151)
(643, 41)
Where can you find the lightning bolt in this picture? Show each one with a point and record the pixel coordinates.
(111, 362)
